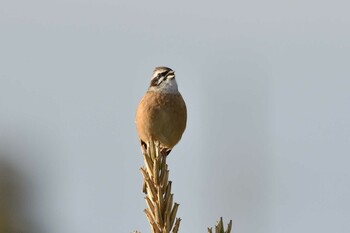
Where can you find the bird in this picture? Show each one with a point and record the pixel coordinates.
(161, 115)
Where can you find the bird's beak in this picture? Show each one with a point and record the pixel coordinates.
(171, 74)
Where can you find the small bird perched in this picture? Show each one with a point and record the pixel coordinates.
(161, 115)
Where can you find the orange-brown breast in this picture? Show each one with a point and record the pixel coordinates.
(161, 117)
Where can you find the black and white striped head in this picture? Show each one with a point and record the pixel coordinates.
(163, 80)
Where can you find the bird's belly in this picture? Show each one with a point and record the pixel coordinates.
(161, 117)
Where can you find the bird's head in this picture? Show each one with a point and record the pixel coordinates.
(163, 80)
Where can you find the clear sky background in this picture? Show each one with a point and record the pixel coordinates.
(267, 87)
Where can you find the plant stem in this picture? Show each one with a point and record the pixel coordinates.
(161, 211)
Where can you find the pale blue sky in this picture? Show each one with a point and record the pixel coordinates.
(267, 87)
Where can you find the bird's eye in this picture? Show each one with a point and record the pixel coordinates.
(164, 73)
